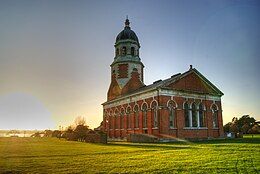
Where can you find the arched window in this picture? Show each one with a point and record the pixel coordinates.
(123, 50)
(186, 115)
(136, 112)
(128, 110)
(132, 51)
(171, 109)
(116, 119)
(194, 115)
(215, 116)
(110, 122)
(144, 111)
(201, 116)
(154, 114)
(122, 119)
(117, 52)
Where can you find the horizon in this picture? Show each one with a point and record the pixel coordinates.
(55, 56)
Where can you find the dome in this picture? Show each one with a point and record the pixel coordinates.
(127, 33)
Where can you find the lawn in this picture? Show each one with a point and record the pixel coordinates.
(51, 155)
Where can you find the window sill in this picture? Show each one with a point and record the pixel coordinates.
(195, 128)
(155, 128)
(136, 128)
(145, 128)
(129, 129)
(173, 128)
(215, 128)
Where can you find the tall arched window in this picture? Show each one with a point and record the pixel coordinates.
(194, 115)
(154, 114)
(123, 50)
(111, 124)
(122, 119)
(136, 111)
(171, 109)
(144, 111)
(128, 110)
(186, 115)
(117, 52)
(132, 51)
(116, 119)
(201, 116)
(215, 116)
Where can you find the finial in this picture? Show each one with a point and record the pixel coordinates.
(190, 66)
(127, 23)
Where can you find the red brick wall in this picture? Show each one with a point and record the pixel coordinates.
(163, 129)
(191, 82)
(123, 70)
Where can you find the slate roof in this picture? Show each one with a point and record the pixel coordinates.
(164, 83)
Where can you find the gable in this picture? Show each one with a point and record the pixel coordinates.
(194, 82)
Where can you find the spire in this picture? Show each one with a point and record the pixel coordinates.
(127, 23)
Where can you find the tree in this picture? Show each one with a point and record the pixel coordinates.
(242, 125)
(227, 128)
(47, 133)
(255, 129)
(79, 121)
(56, 133)
(81, 131)
(245, 123)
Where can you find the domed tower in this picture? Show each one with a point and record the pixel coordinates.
(127, 68)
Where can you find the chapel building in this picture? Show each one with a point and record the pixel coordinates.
(186, 105)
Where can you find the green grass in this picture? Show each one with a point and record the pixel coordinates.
(51, 155)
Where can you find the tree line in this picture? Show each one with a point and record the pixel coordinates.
(79, 131)
(243, 125)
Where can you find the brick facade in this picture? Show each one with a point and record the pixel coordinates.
(183, 106)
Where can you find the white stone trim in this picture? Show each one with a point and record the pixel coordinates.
(171, 100)
(162, 92)
(144, 102)
(212, 106)
(152, 103)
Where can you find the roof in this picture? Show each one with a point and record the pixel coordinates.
(127, 33)
(163, 84)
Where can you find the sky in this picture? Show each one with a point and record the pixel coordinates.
(55, 56)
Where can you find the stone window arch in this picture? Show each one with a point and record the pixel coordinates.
(122, 113)
(144, 114)
(128, 111)
(186, 114)
(194, 115)
(136, 115)
(111, 125)
(214, 109)
(116, 119)
(202, 121)
(172, 113)
(154, 109)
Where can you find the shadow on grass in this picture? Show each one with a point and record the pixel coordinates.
(185, 144)
(156, 146)
(230, 141)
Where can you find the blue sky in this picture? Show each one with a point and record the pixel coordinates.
(55, 55)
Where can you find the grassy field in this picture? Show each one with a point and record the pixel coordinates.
(51, 155)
